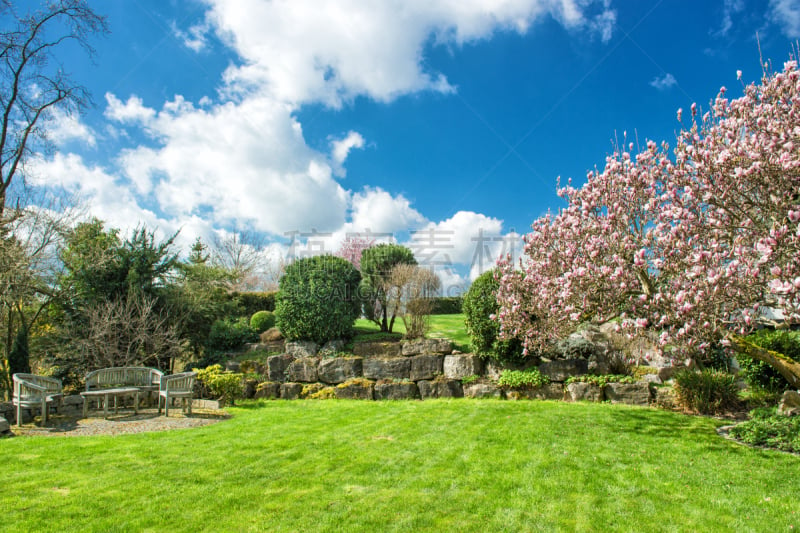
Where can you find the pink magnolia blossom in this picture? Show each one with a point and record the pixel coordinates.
(675, 240)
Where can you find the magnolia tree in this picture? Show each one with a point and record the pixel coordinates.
(352, 247)
(690, 245)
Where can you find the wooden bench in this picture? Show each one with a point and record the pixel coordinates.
(177, 386)
(142, 379)
(32, 391)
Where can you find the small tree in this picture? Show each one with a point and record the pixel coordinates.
(377, 263)
(412, 288)
(317, 299)
(352, 248)
(19, 357)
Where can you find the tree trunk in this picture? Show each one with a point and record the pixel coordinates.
(788, 367)
(384, 321)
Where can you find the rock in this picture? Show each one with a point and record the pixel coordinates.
(331, 348)
(271, 335)
(592, 345)
(291, 391)
(302, 348)
(585, 392)
(392, 368)
(666, 373)
(340, 369)
(790, 403)
(628, 393)
(268, 389)
(5, 427)
(460, 366)
(397, 391)
(652, 378)
(427, 347)
(561, 369)
(310, 390)
(233, 366)
(277, 366)
(551, 391)
(665, 397)
(303, 369)
(483, 390)
(440, 388)
(426, 367)
(252, 367)
(249, 391)
(377, 349)
(356, 389)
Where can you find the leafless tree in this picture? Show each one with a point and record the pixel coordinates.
(410, 296)
(32, 82)
(129, 332)
(245, 254)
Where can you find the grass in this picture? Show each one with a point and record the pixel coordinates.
(458, 465)
(441, 327)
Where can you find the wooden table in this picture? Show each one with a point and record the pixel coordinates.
(113, 393)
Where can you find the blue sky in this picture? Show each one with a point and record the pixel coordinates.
(446, 118)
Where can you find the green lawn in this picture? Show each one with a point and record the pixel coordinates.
(441, 326)
(458, 465)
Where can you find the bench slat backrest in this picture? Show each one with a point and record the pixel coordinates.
(123, 377)
(32, 386)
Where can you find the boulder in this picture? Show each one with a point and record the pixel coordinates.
(302, 348)
(427, 347)
(585, 392)
(277, 366)
(561, 369)
(268, 389)
(790, 403)
(397, 391)
(271, 335)
(460, 366)
(390, 368)
(483, 390)
(666, 373)
(249, 389)
(5, 427)
(340, 369)
(304, 369)
(331, 348)
(377, 349)
(291, 391)
(252, 366)
(426, 367)
(233, 366)
(440, 388)
(356, 389)
(628, 393)
(664, 397)
(551, 391)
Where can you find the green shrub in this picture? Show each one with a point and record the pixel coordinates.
(601, 380)
(19, 356)
(759, 374)
(230, 334)
(470, 379)
(706, 392)
(516, 379)
(447, 305)
(252, 302)
(767, 428)
(480, 303)
(227, 386)
(318, 299)
(261, 321)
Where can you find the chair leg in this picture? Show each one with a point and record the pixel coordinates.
(19, 415)
(44, 411)
(166, 406)
(159, 405)
(189, 401)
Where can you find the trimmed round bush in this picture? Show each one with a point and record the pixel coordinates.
(261, 321)
(318, 299)
(480, 303)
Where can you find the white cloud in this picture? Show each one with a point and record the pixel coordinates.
(64, 127)
(194, 38)
(465, 238)
(341, 149)
(376, 211)
(131, 111)
(729, 9)
(786, 14)
(332, 51)
(665, 82)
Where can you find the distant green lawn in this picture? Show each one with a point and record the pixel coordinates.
(441, 326)
(457, 465)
